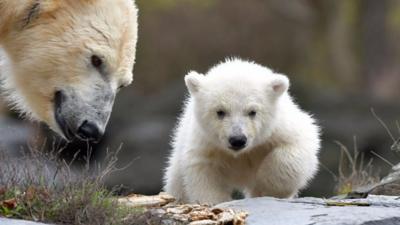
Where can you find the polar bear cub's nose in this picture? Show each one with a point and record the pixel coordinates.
(89, 131)
(237, 142)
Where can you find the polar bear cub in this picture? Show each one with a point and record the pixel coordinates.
(241, 130)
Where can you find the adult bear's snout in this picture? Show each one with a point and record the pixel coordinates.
(79, 118)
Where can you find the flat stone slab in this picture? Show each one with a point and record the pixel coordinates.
(4, 221)
(374, 210)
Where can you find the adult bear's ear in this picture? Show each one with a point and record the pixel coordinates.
(193, 82)
(279, 84)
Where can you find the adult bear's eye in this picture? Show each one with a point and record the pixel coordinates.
(97, 62)
(221, 114)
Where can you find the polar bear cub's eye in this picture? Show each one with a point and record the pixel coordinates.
(252, 113)
(96, 61)
(221, 114)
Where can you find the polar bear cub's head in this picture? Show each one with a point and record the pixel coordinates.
(68, 59)
(235, 103)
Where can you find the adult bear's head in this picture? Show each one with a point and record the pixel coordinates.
(67, 60)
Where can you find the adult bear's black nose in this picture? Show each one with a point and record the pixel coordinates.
(89, 131)
(238, 142)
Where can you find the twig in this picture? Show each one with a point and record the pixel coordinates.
(383, 124)
(382, 158)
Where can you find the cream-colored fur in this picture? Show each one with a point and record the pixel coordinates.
(47, 47)
(280, 156)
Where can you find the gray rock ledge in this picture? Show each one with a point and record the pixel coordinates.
(4, 221)
(374, 210)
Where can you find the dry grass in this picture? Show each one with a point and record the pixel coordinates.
(41, 187)
(353, 171)
(356, 174)
(396, 141)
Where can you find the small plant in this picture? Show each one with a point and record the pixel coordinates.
(41, 187)
(356, 175)
(353, 171)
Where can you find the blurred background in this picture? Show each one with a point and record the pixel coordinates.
(342, 58)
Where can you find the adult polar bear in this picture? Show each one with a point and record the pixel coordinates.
(64, 61)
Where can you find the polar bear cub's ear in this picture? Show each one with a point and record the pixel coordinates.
(193, 82)
(279, 84)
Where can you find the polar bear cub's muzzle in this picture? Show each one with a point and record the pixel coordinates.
(237, 140)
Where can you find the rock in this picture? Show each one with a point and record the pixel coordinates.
(204, 222)
(4, 221)
(137, 201)
(389, 185)
(374, 210)
(191, 214)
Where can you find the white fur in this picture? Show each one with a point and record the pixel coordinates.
(283, 141)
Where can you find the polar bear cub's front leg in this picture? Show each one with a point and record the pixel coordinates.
(285, 171)
(204, 185)
(193, 180)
